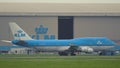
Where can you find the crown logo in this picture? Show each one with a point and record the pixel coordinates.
(41, 30)
(99, 42)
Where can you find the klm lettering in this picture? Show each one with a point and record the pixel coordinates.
(19, 33)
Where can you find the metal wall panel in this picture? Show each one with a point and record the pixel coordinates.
(28, 24)
(97, 26)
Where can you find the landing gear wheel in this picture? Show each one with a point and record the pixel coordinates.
(63, 53)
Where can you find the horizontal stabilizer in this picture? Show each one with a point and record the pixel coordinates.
(6, 41)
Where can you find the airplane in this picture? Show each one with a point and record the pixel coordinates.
(63, 47)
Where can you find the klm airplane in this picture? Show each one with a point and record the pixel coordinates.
(63, 47)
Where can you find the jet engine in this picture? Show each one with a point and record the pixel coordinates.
(86, 49)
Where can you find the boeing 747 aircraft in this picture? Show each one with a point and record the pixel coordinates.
(63, 47)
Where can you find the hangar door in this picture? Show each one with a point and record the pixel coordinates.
(65, 27)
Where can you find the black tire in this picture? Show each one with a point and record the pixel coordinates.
(63, 53)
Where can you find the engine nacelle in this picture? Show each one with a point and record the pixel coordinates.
(86, 49)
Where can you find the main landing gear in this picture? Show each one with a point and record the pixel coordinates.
(71, 51)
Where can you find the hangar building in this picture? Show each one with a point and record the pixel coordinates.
(63, 20)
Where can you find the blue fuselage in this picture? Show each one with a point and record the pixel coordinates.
(100, 43)
(75, 42)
